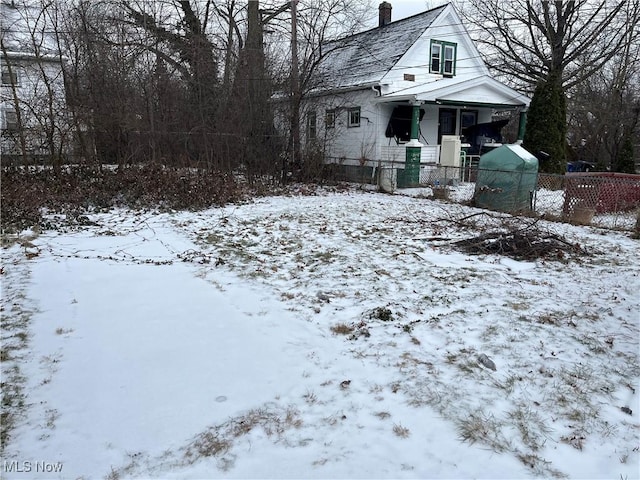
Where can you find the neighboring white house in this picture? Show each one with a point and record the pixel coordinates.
(367, 85)
(33, 113)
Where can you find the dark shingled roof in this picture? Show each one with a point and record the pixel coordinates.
(366, 57)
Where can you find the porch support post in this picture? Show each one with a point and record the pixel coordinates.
(522, 125)
(414, 149)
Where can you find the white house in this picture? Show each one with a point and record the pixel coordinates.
(33, 113)
(425, 71)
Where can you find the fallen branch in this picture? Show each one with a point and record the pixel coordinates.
(521, 244)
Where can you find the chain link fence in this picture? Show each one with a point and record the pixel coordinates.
(599, 198)
(609, 200)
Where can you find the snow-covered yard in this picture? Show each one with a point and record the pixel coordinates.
(337, 335)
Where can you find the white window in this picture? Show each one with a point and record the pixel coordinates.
(436, 53)
(353, 117)
(443, 58)
(449, 59)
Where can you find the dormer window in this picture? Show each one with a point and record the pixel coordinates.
(436, 55)
(443, 58)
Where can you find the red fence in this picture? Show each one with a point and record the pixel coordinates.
(601, 192)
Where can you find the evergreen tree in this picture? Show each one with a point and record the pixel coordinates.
(546, 126)
(560, 43)
(624, 162)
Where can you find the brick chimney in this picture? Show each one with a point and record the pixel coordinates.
(385, 14)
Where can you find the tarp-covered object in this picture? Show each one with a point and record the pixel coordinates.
(507, 179)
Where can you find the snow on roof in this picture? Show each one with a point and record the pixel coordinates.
(469, 88)
(366, 57)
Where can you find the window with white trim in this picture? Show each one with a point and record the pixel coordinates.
(443, 58)
(10, 120)
(449, 59)
(330, 119)
(311, 126)
(436, 54)
(353, 117)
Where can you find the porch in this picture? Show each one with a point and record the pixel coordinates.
(395, 155)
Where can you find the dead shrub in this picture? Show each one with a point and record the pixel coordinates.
(400, 431)
(77, 189)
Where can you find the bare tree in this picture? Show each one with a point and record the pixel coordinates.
(552, 46)
(180, 38)
(316, 22)
(247, 131)
(532, 40)
(102, 82)
(604, 112)
(145, 79)
(228, 17)
(34, 64)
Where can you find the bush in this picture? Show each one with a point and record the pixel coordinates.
(25, 192)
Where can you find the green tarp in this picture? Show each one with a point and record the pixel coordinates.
(507, 179)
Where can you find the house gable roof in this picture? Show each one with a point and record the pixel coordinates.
(477, 90)
(365, 58)
(382, 56)
(446, 27)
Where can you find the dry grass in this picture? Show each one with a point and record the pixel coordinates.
(15, 342)
(342, 329)
(383, 415)
(401, 431)
(483, 428)
(310, 397)
(539, 466)
(219, 439)
(532, 427)
(216, 442)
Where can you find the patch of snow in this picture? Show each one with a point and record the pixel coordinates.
(328, 336)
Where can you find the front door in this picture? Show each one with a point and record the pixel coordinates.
(446, 122)
(468, 118)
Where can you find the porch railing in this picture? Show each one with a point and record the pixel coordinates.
(393, 155)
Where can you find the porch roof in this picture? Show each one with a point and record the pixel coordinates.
(480, 91)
